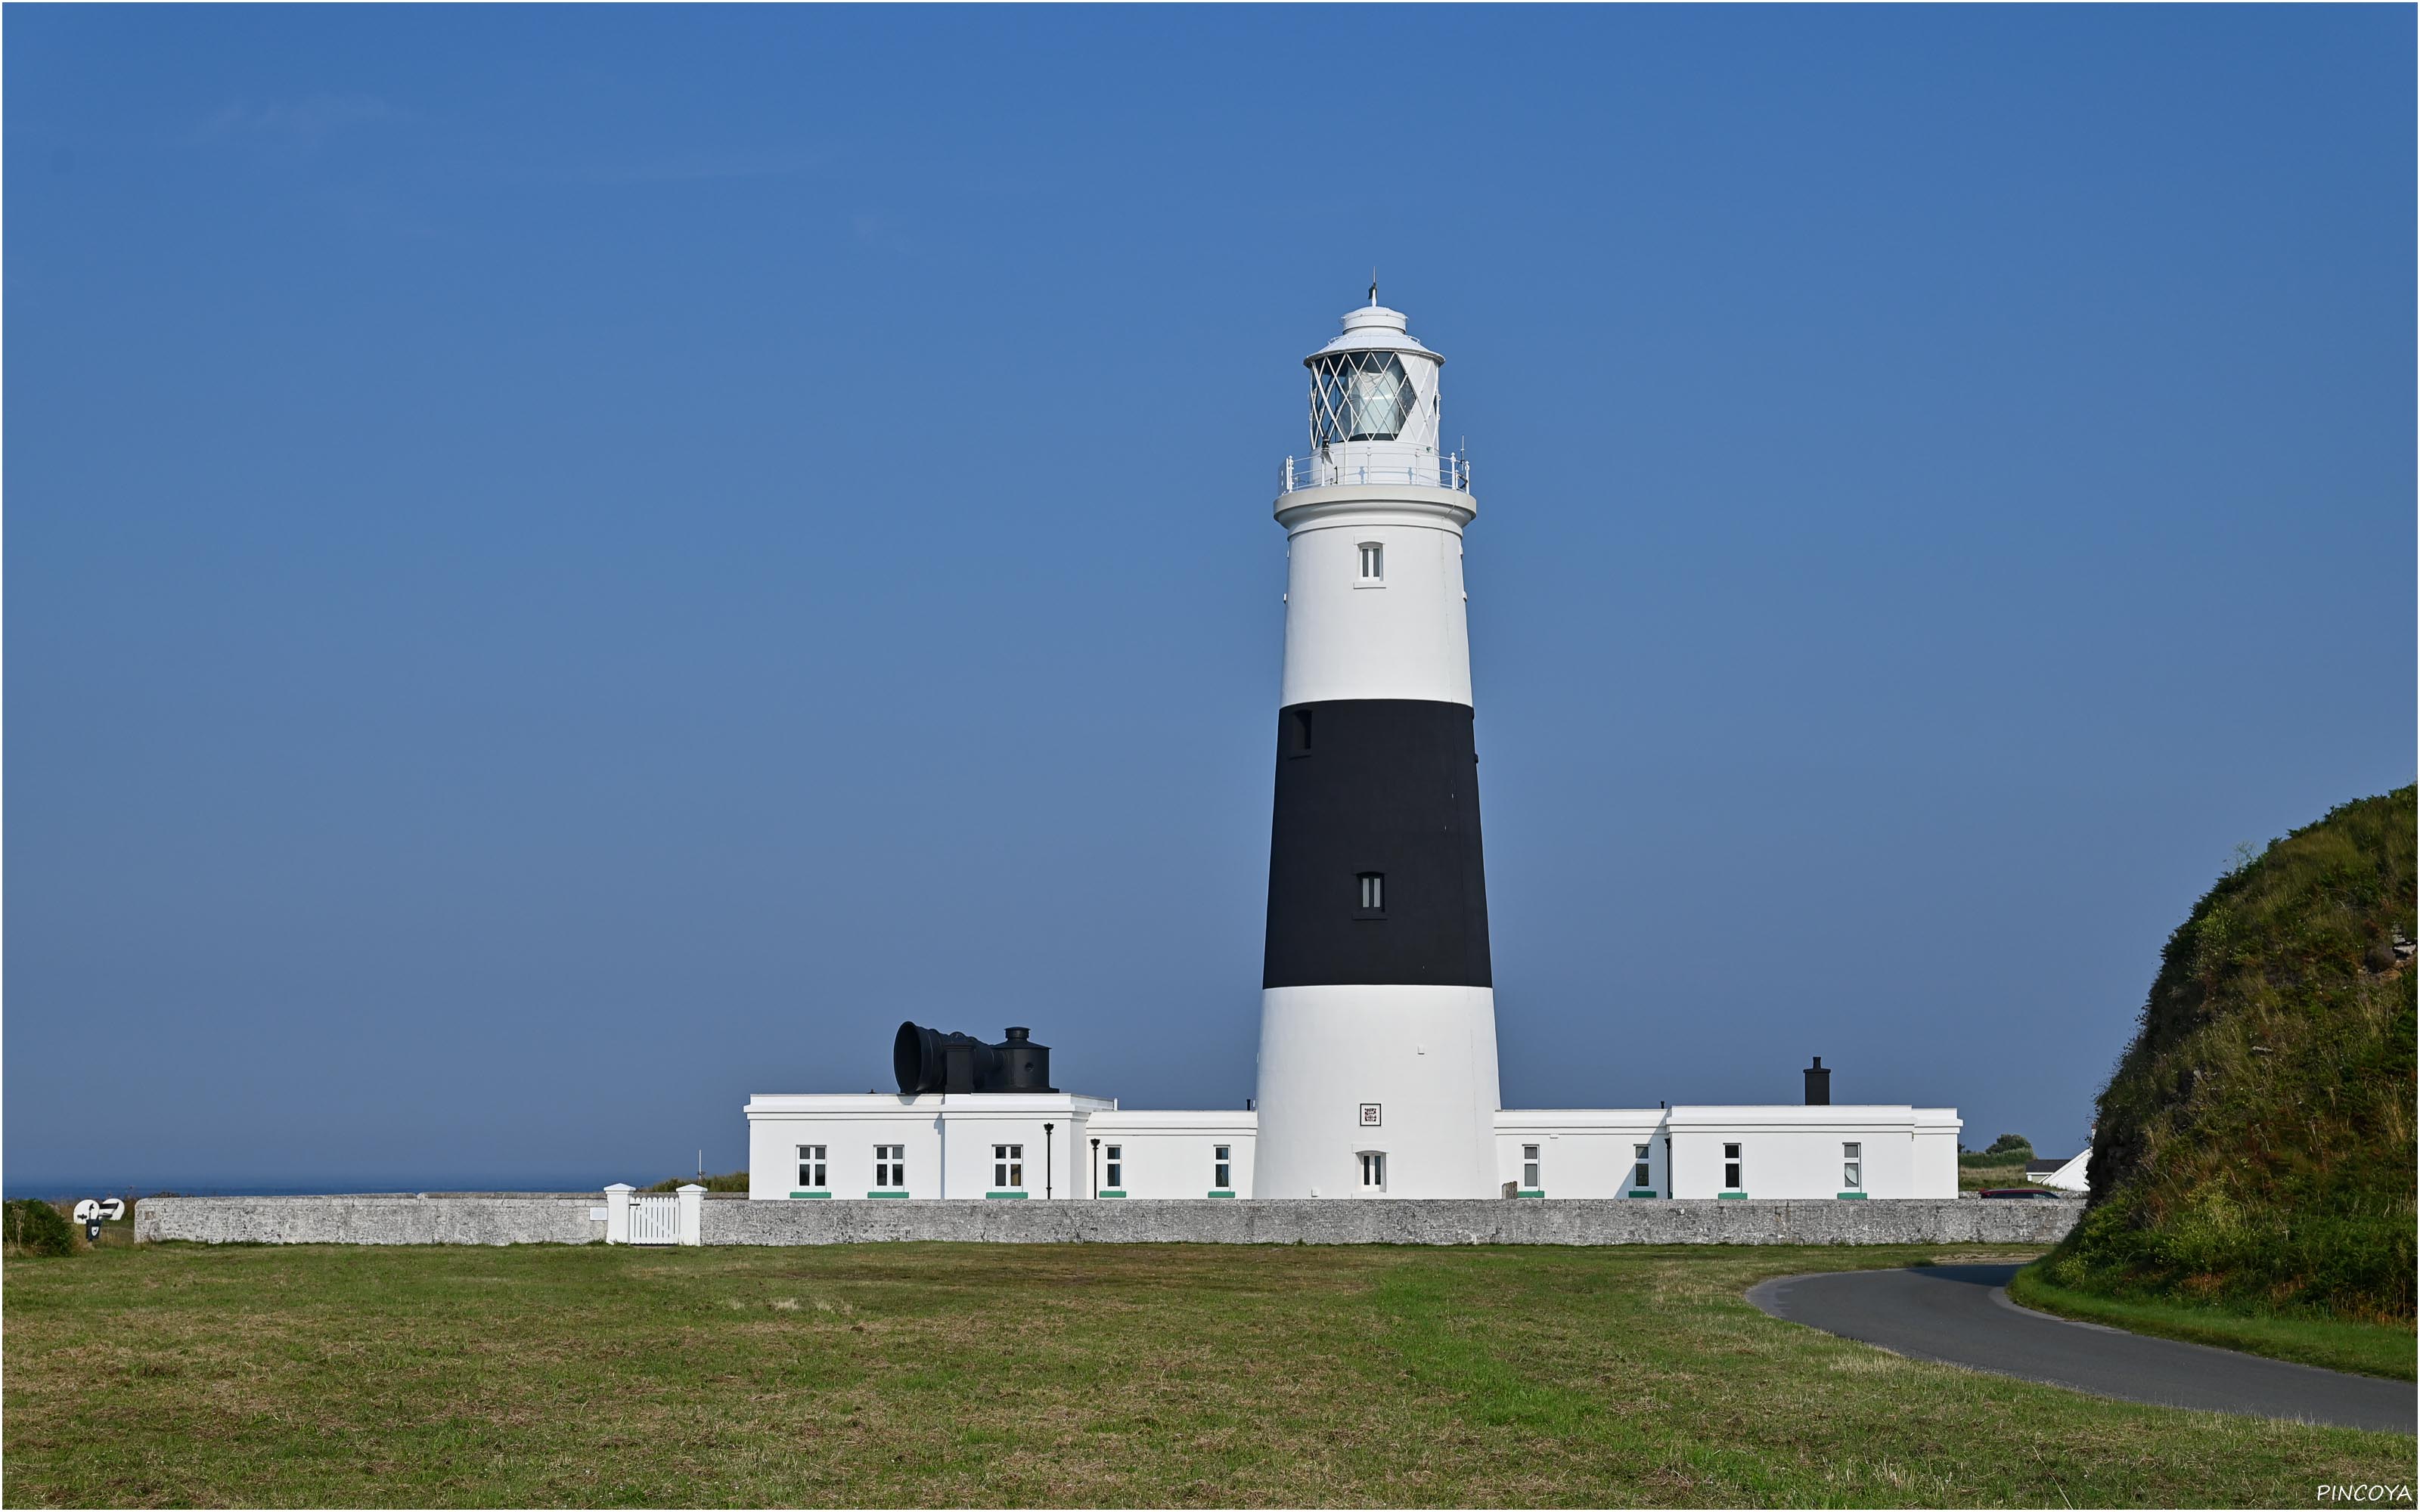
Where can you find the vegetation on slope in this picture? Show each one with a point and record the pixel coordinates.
(2254, 1149)
(2304, 1337)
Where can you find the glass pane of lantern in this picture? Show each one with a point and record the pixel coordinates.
(1360, 396)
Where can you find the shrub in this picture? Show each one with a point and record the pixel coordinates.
(725, 1181)
(33, 1227)
(2254, 1147)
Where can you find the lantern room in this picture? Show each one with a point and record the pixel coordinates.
(1375, 414)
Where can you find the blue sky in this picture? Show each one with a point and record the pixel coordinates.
(568, 566)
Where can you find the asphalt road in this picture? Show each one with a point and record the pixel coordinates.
(1962, 1314)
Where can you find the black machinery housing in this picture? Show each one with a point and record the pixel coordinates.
(929, 1060)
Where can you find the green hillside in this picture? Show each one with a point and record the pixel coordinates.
(2254, 1149)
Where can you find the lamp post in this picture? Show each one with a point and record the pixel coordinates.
(1046, 1160)
(1096, 1170)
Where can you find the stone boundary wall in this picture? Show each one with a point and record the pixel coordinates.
(403, 1219)
(372, 1220)
(1381, 1221)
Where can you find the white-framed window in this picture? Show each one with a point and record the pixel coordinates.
(1373, 1170)
(1852, 1167)
(1734, 1167)
(1373, 562)
(813, 1168)
(891, 1168)
(1008, 1167)
(1113, 1166)
(1529, 1166)
(1642, 1176)
(1222, 1167)
(1374, 892)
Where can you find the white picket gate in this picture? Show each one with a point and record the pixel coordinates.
(634, 1217)
(655, 1220)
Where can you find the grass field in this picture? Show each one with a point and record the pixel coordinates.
(1975, 1174)
(911, 1374)
(2372, 1348)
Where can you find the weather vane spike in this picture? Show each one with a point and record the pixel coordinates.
(1373, 286)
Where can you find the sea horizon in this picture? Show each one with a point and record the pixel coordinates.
(54, 1189)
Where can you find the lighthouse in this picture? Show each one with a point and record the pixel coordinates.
(1377, 1063)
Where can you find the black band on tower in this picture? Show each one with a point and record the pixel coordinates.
(1384, 789)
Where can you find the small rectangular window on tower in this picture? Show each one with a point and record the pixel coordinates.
(1373, 894)
(1373, 1170)
(1297, 731)
(1373, 562)
(1641, 1176)
(1732, 1168)
(1222, 1169)
(1529, 1166)
(1852, 1167)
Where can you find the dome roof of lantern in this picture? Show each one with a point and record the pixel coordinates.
(1374, 327)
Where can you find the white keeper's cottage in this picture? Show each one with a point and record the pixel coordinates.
(1377, 1055)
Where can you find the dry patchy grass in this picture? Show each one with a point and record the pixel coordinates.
(965, 1375)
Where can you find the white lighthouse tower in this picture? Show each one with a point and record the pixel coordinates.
(1377, 1067)
(1377, 1070)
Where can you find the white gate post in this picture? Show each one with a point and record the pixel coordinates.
(618, 1213)
(692, 1214)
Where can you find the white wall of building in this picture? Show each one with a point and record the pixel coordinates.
(1936, 1152)
(1403, 636)
(1784, 1151)
(1039, 1161)
(1581, 1152)
(1173, 1154)
(1796, 1151)
(2076, 1176)
(1422, 1057)
(950, 1144)
(848, 1127)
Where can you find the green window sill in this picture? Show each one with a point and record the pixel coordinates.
(1119, 1194)
(811, 1193)
(1850, 1197)
(1529, 1191)
(1219, 1193)
(1012, 1197)
(1732, 1196)
(1639, 1192)
(886, 1194)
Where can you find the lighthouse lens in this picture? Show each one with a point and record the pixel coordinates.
(1360, 396)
